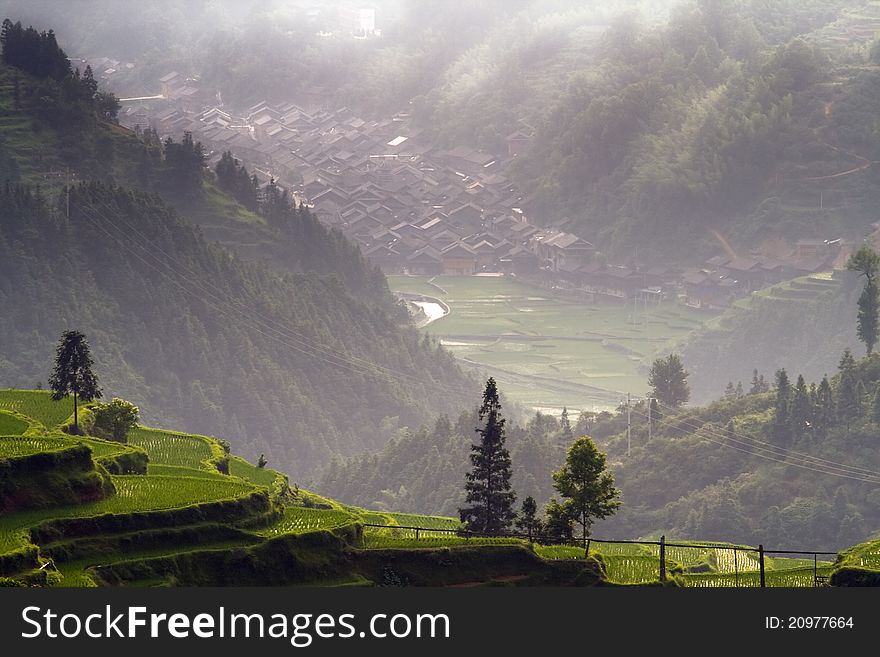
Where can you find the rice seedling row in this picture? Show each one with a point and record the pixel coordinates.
(12, 446)
(11, 425)
(428, 522)
(37, 404)
(170, 448)
(238, 467)
(134, 493)
(299, 520)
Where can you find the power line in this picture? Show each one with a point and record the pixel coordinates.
(724, 441)
(785, 451)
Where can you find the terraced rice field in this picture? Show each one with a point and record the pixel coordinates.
(178, 471)
(787, 577)
(640, 564)
(429, 522)
(238, 467)
(298, 520)
(134, 493)
(171, 448)
(11, 446)
(376, 539)
(37, 404)
(548, 350)
(632, 569)
(11, 425)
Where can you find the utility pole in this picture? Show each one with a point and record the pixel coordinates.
(650, 403)
(628, 425)
(68, 194)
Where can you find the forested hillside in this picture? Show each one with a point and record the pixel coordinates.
(803, 324)
(796, 468)
(301, 362)
(715, 120)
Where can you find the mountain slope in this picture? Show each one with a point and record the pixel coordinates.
(300, 362)
(294, 366)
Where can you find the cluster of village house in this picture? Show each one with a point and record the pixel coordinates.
(414, 207)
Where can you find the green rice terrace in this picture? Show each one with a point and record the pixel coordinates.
(169, 508)
(547, 348)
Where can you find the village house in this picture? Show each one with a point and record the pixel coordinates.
(459, 260)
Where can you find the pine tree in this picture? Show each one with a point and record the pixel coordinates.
(528, 521)
(739, 390)
(782, 417)
(847, 362)
(875, 410)
(565, 427)
(488, 483)
(729, 391)
(73, 373)
(848, 405)
(756, 384)
(825, 407)
(801, 416)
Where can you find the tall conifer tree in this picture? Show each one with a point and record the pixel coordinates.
(488, 483)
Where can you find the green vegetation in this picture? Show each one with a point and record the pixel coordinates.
(487, 485)
(37, 405)
(11, 446)
(766, 331)
(11, 425)
(791, 468)
(72, 374)
(299, 520)
(308, 404)
(180, 326)
(173, 448)
(858, 566)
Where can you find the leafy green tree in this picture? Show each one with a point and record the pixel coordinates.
(115, 419)
(866, 261)
(867, 318)
(488, 483)
(585, 485)
(73, 372)
(528, 521)
(668, 381)
(781, 428)
(559, 524)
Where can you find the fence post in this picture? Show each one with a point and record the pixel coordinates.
(587, 550)
(761, 560)
(815, 570)
(736, 567)
(417, 533)
(663, 558)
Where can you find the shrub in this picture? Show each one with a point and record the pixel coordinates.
(115, 419)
